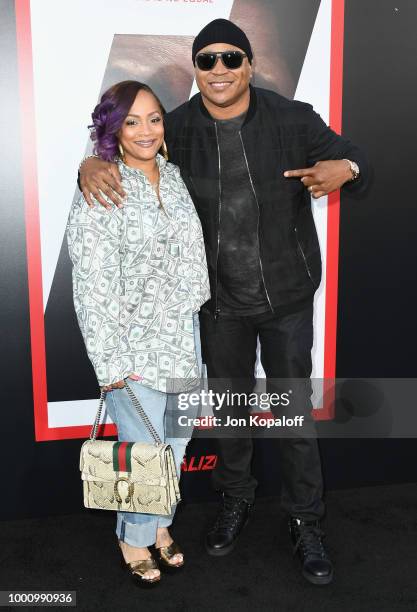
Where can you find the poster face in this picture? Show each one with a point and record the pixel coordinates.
(69, 53)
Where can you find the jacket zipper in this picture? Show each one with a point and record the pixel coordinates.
(259, 213)
(303, 256)
(216, 309)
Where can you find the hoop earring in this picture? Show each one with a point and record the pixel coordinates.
(121, 152)
(164, 151)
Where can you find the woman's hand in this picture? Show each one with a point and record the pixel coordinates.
(119, 384)
(98, 177)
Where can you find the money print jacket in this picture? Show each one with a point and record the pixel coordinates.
(139, 273)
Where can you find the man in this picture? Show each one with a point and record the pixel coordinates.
(237, 147)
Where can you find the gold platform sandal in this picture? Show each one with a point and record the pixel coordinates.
(165, 554)
(138, 569)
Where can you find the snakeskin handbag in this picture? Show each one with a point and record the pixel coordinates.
(129, 476)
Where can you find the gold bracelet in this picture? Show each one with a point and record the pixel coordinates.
(85, 159)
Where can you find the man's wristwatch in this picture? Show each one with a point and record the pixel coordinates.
(354, 168)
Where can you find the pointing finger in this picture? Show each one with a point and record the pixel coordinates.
(298, 173)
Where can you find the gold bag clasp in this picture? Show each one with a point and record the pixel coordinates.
(131, 488)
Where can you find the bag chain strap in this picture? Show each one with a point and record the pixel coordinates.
(137, 405)
(93, 434)
(143, 415)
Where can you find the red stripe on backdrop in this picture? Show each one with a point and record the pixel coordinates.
(333, 209)
(30, 185)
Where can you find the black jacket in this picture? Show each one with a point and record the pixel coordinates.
(278, 134)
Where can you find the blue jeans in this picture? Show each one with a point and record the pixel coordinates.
(135, 528)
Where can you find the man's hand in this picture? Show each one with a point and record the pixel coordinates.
(98, 177)
(324, 177)
(120, 383)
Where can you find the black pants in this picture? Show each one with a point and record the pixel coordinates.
(229, 351)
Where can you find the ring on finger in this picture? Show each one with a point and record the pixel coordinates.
(310, 189)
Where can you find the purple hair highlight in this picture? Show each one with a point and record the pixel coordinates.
(109, 114)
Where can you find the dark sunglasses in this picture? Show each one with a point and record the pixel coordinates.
(231, 59)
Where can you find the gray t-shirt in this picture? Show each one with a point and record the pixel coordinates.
(240, 286)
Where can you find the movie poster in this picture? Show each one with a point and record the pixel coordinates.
(66, 61)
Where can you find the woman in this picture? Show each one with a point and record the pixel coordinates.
(139, 279)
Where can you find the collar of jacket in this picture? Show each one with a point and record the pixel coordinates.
(253, 104)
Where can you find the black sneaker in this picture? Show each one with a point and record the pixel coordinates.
(231, 519)
(307, 539)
